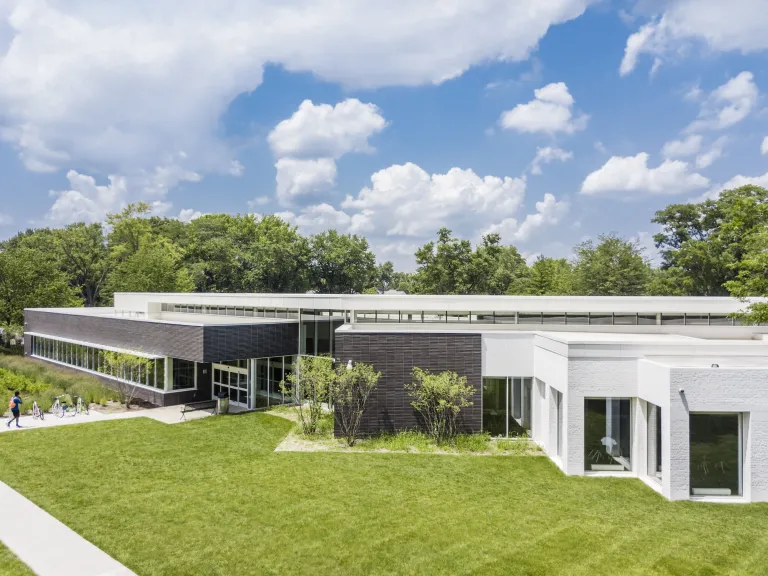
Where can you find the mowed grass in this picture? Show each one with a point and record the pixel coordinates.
(9, 564)
(210, 497)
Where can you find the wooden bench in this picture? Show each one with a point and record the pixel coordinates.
(212, 405)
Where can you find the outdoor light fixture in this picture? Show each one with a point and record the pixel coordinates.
(682, 390)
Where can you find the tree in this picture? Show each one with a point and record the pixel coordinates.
(124, 366)
(752, 278)
(443, 266)
(154, 267)
(85, 258)
(30, 277)
(278, 260)
(546, 277)
(510, 275)
(351, 388)
(439, 399)
(613, 267)
(128, 229)
(340, 263)
(308, 388)
(217, 251)
(704, 243)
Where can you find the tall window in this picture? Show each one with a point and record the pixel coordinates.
(607, 434)
(654, 442)
(507, 406)
(183, 374)
(715, 454)
(495, 406)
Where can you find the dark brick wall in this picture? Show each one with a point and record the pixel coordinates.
(195, 343)
(395, 355)
(238, 342)
(176, 340)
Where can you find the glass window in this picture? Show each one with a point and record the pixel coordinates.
(387, 316)
(183, 374)
(529, 318)
(601, 319)
(434, 317)
(270, 313)
(240, 311)
(577, 318)
(673, 319)
(481, 318)
(553, 318)
(281, 313)
(715, 455)
(275, 375)
(607, 434)
(505, 318)
(323, 337)
(715, 320)
(410, 316)
(625, 319)
(654, 442)
(557, 397)
(646, 319)
(458, 317)
(495, 406)
(697, 319)
(365, 316)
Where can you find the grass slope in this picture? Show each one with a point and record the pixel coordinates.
(209, 497)
(9, 564)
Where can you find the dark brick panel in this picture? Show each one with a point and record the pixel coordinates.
(237, 342)
(195, 343)
(395, 356)
(176, 340)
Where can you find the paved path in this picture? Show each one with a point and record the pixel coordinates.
(167, 415)
(46, 545)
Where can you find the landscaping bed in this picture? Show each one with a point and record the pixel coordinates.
(42, 383)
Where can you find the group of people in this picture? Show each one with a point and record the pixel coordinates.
(14, 404)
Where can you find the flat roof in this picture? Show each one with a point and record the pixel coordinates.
(618, 338)
(451, 303)
(708, 361)
(166, 317)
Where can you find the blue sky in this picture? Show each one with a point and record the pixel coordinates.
(422, 114)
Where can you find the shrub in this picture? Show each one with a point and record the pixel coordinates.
(308, 389)
(439, 398)
(350, 389)
(473, 442)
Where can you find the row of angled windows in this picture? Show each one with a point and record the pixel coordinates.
(580, 318)
(444, 317)
(255, 312)
(116, 365)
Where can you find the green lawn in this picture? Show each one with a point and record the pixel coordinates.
(10, 565)
(209, 497)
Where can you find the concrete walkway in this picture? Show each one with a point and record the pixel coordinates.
(167, 415)
(46, 545)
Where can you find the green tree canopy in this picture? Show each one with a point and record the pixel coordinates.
(612, 267)
(340, 263)
(546, 277)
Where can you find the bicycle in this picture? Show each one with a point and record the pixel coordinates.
(81, 407)
(37, 413)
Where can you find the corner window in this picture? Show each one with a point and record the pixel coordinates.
(715, 454)
(607, 435)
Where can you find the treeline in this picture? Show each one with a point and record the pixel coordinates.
(714, 248)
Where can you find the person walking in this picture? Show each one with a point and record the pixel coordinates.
(14, 406)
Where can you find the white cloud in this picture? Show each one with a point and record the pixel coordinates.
(297, 177)
(549, 154)
(600, 147)
(706, 159)
(549, 212)
(735, 182)
(764, 146)
(632, 174)
(408, 201)
(5, 220)
(682, 148)
(87, 201)
(738, 25)
(188, 214)
(320, 217)
(258, 201)
(549, 112)
(327, 131)
(727, 105)
(121, 86)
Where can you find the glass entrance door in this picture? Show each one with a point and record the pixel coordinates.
(233, 381)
